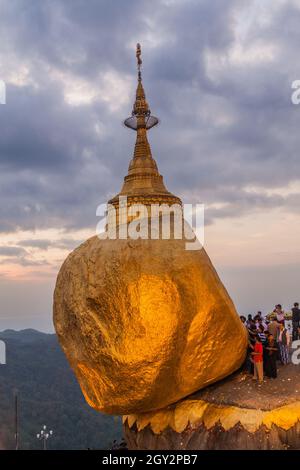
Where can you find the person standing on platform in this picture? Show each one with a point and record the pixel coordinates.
(243, 320)
(270, 356)
(257, 356)
(296, 321)
(284, 344)
(249, 321)
(279, 314)
(273, 328)
(262, 335)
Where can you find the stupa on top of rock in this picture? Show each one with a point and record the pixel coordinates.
(144, 322)
(143, 183)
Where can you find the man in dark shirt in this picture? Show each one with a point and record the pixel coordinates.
(296, 321)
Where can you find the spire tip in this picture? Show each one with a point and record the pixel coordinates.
(139, 60)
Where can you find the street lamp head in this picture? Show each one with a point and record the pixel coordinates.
(44, 435)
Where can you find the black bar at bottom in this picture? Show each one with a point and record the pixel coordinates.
(89, 459)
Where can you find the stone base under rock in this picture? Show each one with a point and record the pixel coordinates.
(216, 438)
(236, 413)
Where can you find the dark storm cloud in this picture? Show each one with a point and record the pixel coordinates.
(24, 261)
(46, 131)
(11, 251)
(19, 255)
(55, 168)
(41, 244)
(66, 244)
(78, 36)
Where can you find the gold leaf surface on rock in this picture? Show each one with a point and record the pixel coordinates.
(144, 323)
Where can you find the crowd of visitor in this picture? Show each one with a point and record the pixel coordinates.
(270, 341)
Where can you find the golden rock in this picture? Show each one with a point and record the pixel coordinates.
(144, 322)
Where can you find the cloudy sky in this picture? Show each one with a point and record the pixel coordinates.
(218, 74)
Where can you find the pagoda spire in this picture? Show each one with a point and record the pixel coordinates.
(141, 118)
(143, 183)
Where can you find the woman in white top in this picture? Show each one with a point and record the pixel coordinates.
(279, 314)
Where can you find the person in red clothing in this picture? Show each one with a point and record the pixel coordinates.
(257, 356)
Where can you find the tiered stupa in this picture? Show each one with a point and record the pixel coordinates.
(143, 183)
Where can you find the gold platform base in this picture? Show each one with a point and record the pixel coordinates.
(236, 413)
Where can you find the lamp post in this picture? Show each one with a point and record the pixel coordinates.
(44, 435)
(16, 396)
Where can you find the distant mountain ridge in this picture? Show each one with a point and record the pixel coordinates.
(26, 335)
(48, 394)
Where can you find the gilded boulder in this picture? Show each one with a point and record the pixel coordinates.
(144, 323)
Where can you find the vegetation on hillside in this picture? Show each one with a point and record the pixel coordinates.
(48, 394)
